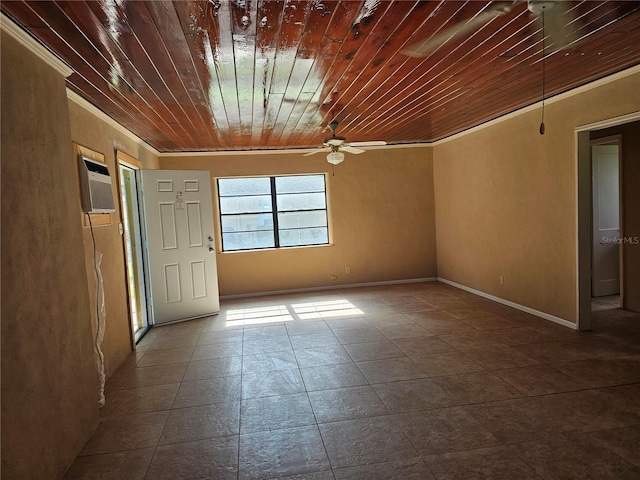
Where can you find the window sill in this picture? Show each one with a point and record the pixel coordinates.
(280, 249)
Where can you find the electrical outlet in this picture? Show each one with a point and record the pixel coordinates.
(501, 280)
(347, 270)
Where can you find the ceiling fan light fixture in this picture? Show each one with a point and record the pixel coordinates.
(334, 158)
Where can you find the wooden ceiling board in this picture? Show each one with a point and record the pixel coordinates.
(192, 16)
(436, 74)
(463, 100)
(164, 56)
(313, 61)
(144, 91)
(293, 79)
(347, 40)
(438, 82)
(90, 77)
(339, 46)
(378, 72)
(218, 75)
(174, 56)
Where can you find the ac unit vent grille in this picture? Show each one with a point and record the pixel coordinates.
(101, 195)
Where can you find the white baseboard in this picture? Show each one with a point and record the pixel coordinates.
(537, 313)
(328, 287)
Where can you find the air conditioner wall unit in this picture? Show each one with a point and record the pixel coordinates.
(95, 185)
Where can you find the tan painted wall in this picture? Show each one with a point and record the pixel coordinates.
(49, 378)
(381, 212)
(630, 183)
(95, 134)
(506, 201)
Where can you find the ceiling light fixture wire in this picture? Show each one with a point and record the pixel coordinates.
(543, 75)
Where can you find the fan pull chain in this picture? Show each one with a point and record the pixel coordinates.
(543, 74)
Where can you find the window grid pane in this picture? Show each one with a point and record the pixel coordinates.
(313, 218)
(229, 187)
(246, 223)
(303, 236)
(293, 202)
(245, 204)
(300, 184)
(248, 240)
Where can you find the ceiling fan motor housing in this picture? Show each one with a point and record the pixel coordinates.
(538, 6)
(334, 141)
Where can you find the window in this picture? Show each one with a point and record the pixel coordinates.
(273, 212)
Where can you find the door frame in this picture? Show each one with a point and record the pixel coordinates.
(584, 198)
(133, 163)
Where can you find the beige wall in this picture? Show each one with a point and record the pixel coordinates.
(506, 201)
(381, 207)
(630, 190)
(95, 134)
(49, 378)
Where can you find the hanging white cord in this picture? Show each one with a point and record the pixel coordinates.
(101, 312)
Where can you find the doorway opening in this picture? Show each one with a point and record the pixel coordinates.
(128, 170)
(608, 244)
(606, 264)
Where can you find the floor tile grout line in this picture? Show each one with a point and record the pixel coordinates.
(603, 445)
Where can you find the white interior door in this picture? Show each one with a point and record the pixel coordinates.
(606, 220)
(181, 253)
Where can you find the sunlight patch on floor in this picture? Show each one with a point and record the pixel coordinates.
(327, 309)
(258, 316)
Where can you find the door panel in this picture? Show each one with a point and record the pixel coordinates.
(606, 220)
(194, 222)
(179, 217)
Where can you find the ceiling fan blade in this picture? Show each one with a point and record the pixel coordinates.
(423, 48)
(316, 151)
(347, 148)
(561, 29)
(368, 144)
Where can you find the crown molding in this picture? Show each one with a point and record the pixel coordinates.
(77, 99)
(16, 32)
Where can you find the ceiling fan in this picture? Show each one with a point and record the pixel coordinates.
(560, 27)
(336, 145)
(559, 30)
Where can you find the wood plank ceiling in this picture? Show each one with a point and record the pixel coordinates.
(210, 75)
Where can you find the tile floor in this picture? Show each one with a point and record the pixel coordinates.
(415, 381)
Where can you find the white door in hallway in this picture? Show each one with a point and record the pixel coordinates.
(179, 238)
(605, 279)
